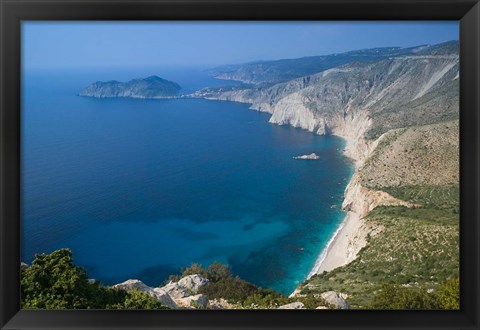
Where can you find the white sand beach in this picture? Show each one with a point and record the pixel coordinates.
(343, 247)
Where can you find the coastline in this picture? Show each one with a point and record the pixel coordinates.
(339, 250)
(351, 235)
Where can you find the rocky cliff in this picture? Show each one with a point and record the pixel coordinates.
(362, 102)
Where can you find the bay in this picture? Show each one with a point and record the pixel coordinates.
(140, 188)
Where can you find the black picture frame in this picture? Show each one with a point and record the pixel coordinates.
(14, 11)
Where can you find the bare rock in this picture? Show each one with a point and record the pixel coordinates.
(164, 298)
(335, 299)
(197, 301)
(187, 286)
(294, 305)
(176, 291)
(193, 282)
(159, 294)
(133, 285)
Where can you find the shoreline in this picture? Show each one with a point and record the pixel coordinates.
(350, 236)
(336, 252)
(343, 246)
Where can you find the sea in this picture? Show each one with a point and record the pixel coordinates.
(140, 188)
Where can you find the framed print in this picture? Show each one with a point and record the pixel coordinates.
(239, 164)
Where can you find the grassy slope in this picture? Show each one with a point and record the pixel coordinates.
(416, 247)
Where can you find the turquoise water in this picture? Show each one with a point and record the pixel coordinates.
(141, 188)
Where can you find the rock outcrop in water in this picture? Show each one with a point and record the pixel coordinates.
(151, 87)
(312, 156)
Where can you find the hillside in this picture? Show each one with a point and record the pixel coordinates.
(399, 116)
(411, 247)
(269, 72)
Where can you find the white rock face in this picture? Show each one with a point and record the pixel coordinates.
(164, 298)
(133, 285)
(362, 200)
(294, 305)
(335, 299)
(292, 110)
(187, 287)
(157, 293)
(193, 282)
(175, 290)
(196, 301)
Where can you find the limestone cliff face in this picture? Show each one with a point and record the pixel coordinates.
(362, 200)
(349, 100)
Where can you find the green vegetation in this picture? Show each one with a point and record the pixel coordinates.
(398, 297)
(54, 282)
(429, 196)
(224, 285)
(238, 292)
(139, 300)
(417, 248)
(448, 295)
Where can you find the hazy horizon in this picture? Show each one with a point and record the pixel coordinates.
(90, 45)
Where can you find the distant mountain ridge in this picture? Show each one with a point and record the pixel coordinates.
(271, 72)
(150, 87)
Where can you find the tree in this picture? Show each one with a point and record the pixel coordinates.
(54, 282)
(217, 271)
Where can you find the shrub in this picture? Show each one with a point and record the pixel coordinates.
(233, 289)
(218, 271)
(395, 297)
(265, 300)
(140, 300)
(448, 294)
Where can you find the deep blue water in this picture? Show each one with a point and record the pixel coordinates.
(141, 188)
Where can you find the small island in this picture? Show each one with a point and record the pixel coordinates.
(152, 87)
(312, 156)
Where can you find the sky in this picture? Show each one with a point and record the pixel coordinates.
(54, 45)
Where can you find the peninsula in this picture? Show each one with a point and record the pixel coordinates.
(142, 88)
